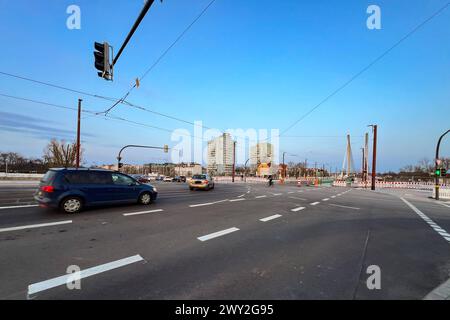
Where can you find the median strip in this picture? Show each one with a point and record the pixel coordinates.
(141, 212)
(34, 226)
(55, 282)
(217, 234)
(271, 218)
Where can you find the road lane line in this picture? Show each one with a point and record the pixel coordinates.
(18, 207)
(315, 203)
(55, 282)
(445, 205)
(297, 198)
(260, 197)
(34, 226)
(237, 200)
(326, 199)
(141, 212)
(333, 197)
(217, 234)
(440, 293)
(346, 207)
(277, 194)
(430, 222)
(271, 218)
(242, 195)
(298, 209)
(206, 204)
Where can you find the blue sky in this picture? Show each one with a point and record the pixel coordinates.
(244, 64)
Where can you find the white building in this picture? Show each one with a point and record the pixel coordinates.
(261, 153)
(220, 155)
(188, 170)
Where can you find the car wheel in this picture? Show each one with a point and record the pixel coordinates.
(145, 198)
(72, 205)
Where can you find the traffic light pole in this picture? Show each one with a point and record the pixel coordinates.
(141, 16)
(437, 186)
(374, 161)
(119, 157)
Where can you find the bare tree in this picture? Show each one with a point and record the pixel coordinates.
(61, 154)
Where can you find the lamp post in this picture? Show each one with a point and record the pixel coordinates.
(437, 164)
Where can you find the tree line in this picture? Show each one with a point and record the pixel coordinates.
(55, 154)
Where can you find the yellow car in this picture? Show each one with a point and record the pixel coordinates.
(201, 181)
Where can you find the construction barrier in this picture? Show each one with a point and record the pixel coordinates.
(444, 193)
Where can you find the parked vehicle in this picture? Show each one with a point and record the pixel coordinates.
(168, 179)
(141, 178)
(73, 189)
(201, 181)
(179, 179)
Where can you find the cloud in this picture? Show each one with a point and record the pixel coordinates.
(11, 122)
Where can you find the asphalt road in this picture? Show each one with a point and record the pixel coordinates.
(235, 242)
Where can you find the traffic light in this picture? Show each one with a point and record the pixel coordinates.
(443, 172)
(102, 60)
(438, 172)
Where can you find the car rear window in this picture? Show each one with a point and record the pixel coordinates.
(200, 177)
(49, 176)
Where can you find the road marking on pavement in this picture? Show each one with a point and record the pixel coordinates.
(298, 209)
(333, 197)
(291, 192)
(271, 218)
(440, 293)
(141, 212)
(326, 199)
(206, 204)
(315, 203)
(18, 207)
(217, 234)
(445, 205)
(242, 195)
(260, 197)
(237, 200)
(34, 226)
(430, 222)
(346, 207)
(297, 198)
(277, 194)
(56, 282)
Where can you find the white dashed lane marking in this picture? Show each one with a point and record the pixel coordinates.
(55, 282)
(315, 203)
(430, 222)
(206, 204)
(217, 234)
(326, 199)
(237, 200)
(141, 212)
(298, 209)
(19, 207)
(260, 197)
(346, 207)
(34, 226)
(271, 218)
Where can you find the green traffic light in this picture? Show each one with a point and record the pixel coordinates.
(438, 172)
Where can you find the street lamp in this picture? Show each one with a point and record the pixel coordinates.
(437, 164)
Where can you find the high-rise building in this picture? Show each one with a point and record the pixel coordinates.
(220, 155)
(261, 153)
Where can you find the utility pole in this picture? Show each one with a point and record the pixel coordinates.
(363, 163)
(78, 134)
(234, 161)
(374, 161)
(437, 164)
(283, 175)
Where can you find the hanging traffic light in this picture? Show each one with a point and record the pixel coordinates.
(102, 60)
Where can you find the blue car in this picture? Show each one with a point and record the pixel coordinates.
(73, 189)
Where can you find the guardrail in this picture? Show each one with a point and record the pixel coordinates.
(21, 175)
